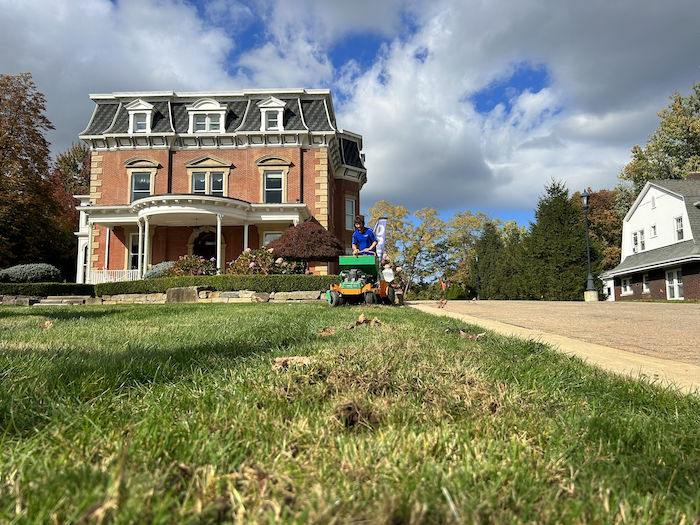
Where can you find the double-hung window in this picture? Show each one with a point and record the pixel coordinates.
(679, 228)
(638, 244)
(645, 283)
(271, 120)
(272, 191)
(140, 123)
(210, 122)
(140, 185)
(350, 214)
(208, 183)
(626, 286)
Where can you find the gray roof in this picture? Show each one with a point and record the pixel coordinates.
(674, 253)
(102, 118)
(315, 115)
(300, 114)
(350, 153)
(660, 257)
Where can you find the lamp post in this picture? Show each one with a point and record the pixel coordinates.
(590, 294)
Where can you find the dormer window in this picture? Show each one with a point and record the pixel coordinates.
(271, 114)
(206, 116)
(140, 123)
(271, 121)
(140, 116)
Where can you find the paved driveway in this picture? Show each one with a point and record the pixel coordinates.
(659, 340)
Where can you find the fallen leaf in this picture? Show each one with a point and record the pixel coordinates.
(327, 331)
(46, 325)
(472, 337)
(361, 319)
(286, 362)
(441, 303)
(375, 322)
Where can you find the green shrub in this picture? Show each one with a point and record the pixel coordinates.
(158, 270)
(190, 265)
(455, 292)
(256, 262)
(222, 283)
(31, 273)
(46, 289)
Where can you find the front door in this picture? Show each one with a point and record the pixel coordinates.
(674, 284)
(205, 245)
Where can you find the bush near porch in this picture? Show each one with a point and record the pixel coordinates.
(46, 289)
(222, 283)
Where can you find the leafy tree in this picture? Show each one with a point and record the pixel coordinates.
(461, 234)
(555, 262)
(605, 224)
(25, 194)
(671, 152)
(73, 169)
(410, 244)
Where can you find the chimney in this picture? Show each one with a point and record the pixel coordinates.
(694, 175)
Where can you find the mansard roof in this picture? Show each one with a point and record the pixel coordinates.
(304, 110)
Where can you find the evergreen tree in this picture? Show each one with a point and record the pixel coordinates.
(555, 262)
(489, 249)
(510, 263)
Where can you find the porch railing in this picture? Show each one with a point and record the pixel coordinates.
(113, 276)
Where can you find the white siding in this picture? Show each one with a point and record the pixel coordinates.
(668, 207)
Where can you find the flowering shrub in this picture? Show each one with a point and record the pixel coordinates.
(263, 262)
(191, 265)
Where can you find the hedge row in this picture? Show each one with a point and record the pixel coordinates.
(222, 283)
(46, 289)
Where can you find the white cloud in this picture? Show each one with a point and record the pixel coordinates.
(611, 68)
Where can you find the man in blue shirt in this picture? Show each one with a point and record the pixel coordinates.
(363, 239)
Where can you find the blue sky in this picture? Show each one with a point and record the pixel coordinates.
(462, 104)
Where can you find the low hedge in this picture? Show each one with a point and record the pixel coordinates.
(222, 283)
(46, 289)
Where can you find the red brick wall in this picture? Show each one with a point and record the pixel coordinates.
(657, 285)
(110, 186)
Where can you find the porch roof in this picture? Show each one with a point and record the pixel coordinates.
(189, 209)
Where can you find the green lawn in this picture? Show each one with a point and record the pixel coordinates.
(174, 414)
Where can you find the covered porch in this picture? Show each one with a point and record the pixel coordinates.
(121, 242)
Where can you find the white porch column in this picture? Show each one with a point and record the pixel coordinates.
(109, 234)
(219, 265)
(89, 254)
(146, 235)
(245, 235)
(139, 264)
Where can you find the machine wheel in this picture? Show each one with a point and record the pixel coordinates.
(370, 298)
(390, 296)
(335, 298)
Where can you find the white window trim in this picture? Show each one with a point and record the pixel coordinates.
(645, 283)
(140, 165)
(140, 107)
(273, 163)
(208, 172)
(640, 244)
(271, 105)
(629, 285)
(206, 107)
(676, 229)
(353, 215)
(265, 233)
(652, 231)
(283, 179)
(673, 285)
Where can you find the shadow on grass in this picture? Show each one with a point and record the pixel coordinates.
(40, 383)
